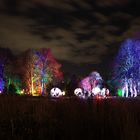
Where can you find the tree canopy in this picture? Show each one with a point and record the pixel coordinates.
(127, 64)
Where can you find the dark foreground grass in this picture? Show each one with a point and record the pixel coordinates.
(33, 118)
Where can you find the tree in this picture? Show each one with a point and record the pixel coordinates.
(95, 79)
(38, 69)
(5, 58)
(25, 69)
(88, 83)
(47, 69)
(126, 69)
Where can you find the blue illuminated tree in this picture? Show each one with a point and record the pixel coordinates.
(41, 66)
(127, 66)
(1, 75)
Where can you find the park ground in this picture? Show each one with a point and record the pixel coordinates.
(41, 118)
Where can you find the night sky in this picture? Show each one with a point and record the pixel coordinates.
(84, 35)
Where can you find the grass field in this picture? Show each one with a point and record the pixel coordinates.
(28, 118)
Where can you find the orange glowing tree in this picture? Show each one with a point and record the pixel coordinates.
(38, 69)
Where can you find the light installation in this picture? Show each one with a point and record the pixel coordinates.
(79, 93)
(15, 81)
(119, 92)
(86, 86)
(127, 68)
(91, 86)
(40, 69)
(56, 92)
(2, 64)
(1, 85)
(90, 82)
(96, 91)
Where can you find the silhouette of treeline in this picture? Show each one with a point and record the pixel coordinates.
(33, 67)
(36, 67)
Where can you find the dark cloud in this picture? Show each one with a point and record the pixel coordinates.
(111, 3)
(80, 33)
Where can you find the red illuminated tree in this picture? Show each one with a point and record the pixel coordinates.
(39, 68)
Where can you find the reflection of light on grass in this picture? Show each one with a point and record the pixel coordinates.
(98, 97)
(119, 92)
(35, 95)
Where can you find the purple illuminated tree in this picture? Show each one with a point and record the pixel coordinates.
(5, 58)
(88, 83)
(95, 79)
(127, 66)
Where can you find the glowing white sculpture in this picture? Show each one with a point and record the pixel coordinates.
(104, 92)
(78, 92)
(56, 92)
(107, 91)
(96, 91)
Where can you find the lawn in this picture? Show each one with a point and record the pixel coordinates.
(28, 118)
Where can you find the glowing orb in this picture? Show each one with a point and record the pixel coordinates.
(56, 92)
(103, 92)
(78, 92)
(22, 91)
(96, 91)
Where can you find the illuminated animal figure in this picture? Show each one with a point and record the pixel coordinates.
(79, 93)
(104, 92)
(56, 92)
(96, 91)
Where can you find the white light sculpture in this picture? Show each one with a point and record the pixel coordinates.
(56, 92)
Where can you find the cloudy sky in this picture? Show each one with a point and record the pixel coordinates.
(84, 35)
